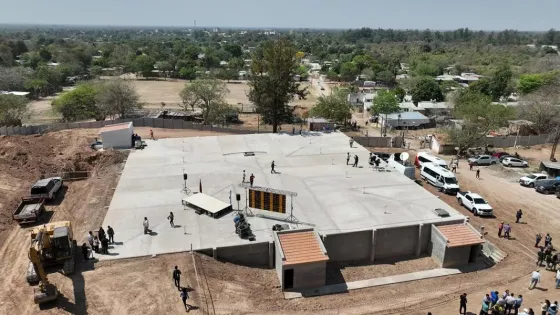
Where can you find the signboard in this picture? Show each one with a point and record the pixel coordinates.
(268, 201)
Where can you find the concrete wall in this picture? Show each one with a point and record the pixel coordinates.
(425, 237)
(353, 246)
(310, 275)
(438, 246)
(456, 256)
(394, 242)
(254, 254)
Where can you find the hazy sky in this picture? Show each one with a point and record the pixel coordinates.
(399, 14)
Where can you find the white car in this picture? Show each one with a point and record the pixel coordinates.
(530, 180)
(511, 161)
(475, 203)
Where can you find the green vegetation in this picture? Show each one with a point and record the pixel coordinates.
(209, 95)
(385, 103)
(334, 107)
(13, 109)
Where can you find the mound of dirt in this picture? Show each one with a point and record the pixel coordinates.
(24, 159)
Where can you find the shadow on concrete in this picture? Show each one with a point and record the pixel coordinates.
(117, 243)
(177, 226)
(152, 233)
(79, 305)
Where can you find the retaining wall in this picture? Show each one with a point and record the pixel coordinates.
(396, 241)
(353, 246)
(253, 254)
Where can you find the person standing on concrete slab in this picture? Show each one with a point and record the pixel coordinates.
(347, 158)
(105, 246)
(355, 161)
(251, 179)
(351, 141)
(177, 277)
(95, 244)
(171, 217)
(463, 304)
(90, 239)
(146, 225)
(518, 215)
(101, 233)
(477, 173)
(535, 279)
(243, 181)
(272, 171)
(111, 234)
(300, 127)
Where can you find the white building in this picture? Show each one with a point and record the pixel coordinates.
(118, 136)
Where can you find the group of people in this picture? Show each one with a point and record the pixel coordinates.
(506, 228)
(355, 160)
(184, 294)
(493, 302)
(98, 243)
(252, 177)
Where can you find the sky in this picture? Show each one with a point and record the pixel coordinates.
(527, 15)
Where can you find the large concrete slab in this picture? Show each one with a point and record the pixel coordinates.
(333, 196)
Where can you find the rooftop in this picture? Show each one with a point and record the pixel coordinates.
(330, 195)
(115, 127)
(301, 247)
(459, 235)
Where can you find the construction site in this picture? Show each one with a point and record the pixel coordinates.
(312, 225)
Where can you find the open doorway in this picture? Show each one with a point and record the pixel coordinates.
(475, 251)
(288, 278)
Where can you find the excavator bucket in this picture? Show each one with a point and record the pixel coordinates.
(49, 294)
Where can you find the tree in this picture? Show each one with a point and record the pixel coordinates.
(500, 84)
(143, 64)
(481, 86)
(234, 50)
(226, 74)
(118, 98)
(532, 82)
(427, 69)
(400, 93)
(334, 107)
(13, 79)
(385, 103)
(271, 82)
(96, 71)
(208, 94)
(348, 71)
(479, 116)
(187, 73)
(13, 109)
(386, 77)
(79, 103)
(426, 89)
(542, 108)
(165, 67)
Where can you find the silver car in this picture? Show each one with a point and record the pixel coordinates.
(483, 160)
(511, 161)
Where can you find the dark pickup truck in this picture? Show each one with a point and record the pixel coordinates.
(29, 210)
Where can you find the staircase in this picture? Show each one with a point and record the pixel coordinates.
(492, 254)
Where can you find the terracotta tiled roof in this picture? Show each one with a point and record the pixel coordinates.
(114, 127)
(301, 248)
(459, 235)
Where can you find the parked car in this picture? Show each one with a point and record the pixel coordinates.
(46, 188)
(558, 193)
(475, 203)
(498, 155)
(383, 155)
(530, 180)
(511, 161)
(426, 157)
(547, 186)
(442, 178)
(483, 160)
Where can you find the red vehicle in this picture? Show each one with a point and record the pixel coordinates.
(499, 154)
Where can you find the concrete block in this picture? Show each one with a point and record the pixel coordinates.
(353, 246)
(397, 241)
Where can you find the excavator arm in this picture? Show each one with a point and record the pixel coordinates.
(47, 291)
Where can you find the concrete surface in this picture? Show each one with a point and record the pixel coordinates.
(335, 197)
(345, 287)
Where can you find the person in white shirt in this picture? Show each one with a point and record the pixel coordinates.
(535, 279)
(558, 279)
(146, 226)
(510, 303)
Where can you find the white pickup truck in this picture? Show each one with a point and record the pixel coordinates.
(475, 203)
(46, 188)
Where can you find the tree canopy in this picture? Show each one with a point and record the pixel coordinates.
(207, 94)
(426, 89)
(79, 103)
(13, 110)
(334, 106)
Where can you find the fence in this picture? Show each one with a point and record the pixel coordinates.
(510, 141)
(137, 122)
(380, 142)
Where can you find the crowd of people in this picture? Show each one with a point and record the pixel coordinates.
(99, 243)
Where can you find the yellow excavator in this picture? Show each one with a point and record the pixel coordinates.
(51, 244)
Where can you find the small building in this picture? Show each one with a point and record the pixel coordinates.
(301, 259)
(551, 168)
(319, 124)
(410, 120)
(118, 136)
(455, 245)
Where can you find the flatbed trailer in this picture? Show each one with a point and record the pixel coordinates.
(29, 210)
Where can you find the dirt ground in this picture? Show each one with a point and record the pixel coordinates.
(144, 285)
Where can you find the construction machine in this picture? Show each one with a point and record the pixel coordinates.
(52, 244)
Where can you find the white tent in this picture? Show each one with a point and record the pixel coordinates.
(117, 136)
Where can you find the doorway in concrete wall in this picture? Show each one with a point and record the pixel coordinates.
(475, 249)
(288, 278)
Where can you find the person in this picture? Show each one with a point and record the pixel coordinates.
(507, 230)
(243, 181)
(111, 234)
(485, 308)
(547, 240)
(184, 297)
(500, 228)
(90, 239)
(272, 171)
(454, 166)
(494, 297)
(146, 225)
(101, 233)
(105, 246)
(300, 129)
(553, 308)
(510, 303)
(95, 244)
(355, 161)
(478, 173)
(518, 303)
(170, 217)
(293, 130)
(538, 239)
(535, 279)
(463, 303)
(347, 158)
(540, 257)
(152, 135)
(351, 141)
(518, 215)
(85, 251)
(505, 295)
(177, 277)
(251, 179)
(544, 307)
(486, 298)
(470, 165)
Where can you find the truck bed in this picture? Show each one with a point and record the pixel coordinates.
(29, 210)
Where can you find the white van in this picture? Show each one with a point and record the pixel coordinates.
(440, 177)
(425, 157)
